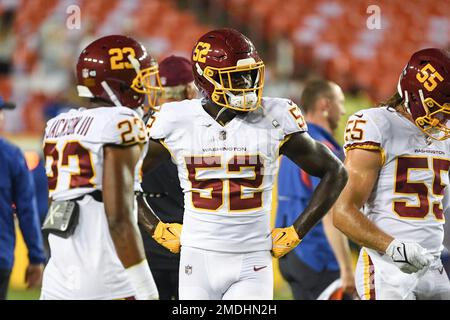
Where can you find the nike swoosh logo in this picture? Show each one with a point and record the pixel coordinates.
(282, 235)
(359, 115)
(402, 254)
(170, 231)
(255, 268)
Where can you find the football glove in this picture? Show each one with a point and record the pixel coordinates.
(409, 257)
(168, 235)
(283, 241)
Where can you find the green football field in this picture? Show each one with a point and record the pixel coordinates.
(34, 294)
(14, 294)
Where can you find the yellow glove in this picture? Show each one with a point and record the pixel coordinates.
(283, 241)
(168, 235)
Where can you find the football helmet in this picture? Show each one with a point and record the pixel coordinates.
(119, 70)
(228, 70)
(424, 86)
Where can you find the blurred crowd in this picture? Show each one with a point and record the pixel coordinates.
(353, 43)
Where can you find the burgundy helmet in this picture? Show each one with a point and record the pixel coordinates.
(228, 70)
(424, 86)
(118, 70)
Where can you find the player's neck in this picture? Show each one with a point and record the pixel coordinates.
(402, 111)
(96, 103)
(213, 110)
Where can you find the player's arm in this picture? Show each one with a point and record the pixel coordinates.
(166, 234)
(341, 249)
(147, 218)
(363, 167)
(317, 160)
(119, 202)
(156, 154)
(118, 196)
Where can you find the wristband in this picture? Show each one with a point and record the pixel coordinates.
(142, 281)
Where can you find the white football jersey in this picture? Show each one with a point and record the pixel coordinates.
(226, 172)
(86, 265)
(406, 201)
(73, 147)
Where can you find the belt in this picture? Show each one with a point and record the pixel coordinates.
(152, 194)
(96, 194)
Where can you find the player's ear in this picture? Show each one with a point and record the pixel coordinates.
(322, 106)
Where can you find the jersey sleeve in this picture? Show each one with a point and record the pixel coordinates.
(361, 132)
(124, 127)
(292, 118)
(159, 124)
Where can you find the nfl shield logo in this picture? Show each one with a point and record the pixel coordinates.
(85, 73)
(188, 270)
(222, 135)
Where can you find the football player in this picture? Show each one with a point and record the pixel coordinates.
(93, 156)
(226, 147)
(398, 159)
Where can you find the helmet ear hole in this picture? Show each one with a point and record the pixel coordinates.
(123, 87)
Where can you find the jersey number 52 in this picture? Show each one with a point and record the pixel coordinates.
(215, 187)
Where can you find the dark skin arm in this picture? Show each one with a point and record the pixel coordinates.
(156, 154)
(316, 160)
(118, 197)
(146, 216)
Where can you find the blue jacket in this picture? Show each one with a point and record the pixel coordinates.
(17, 190)
(37, 168)
(295, 189)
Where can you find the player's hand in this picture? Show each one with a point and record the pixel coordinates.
(410, 257)
(33, 275)
(168, 235)
(348, 282)
(283, 241)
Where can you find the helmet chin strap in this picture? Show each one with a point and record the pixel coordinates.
(422, 98)
(406, 103)
(220, 112)
(403, 94)
(111, 94)
(135, 63)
